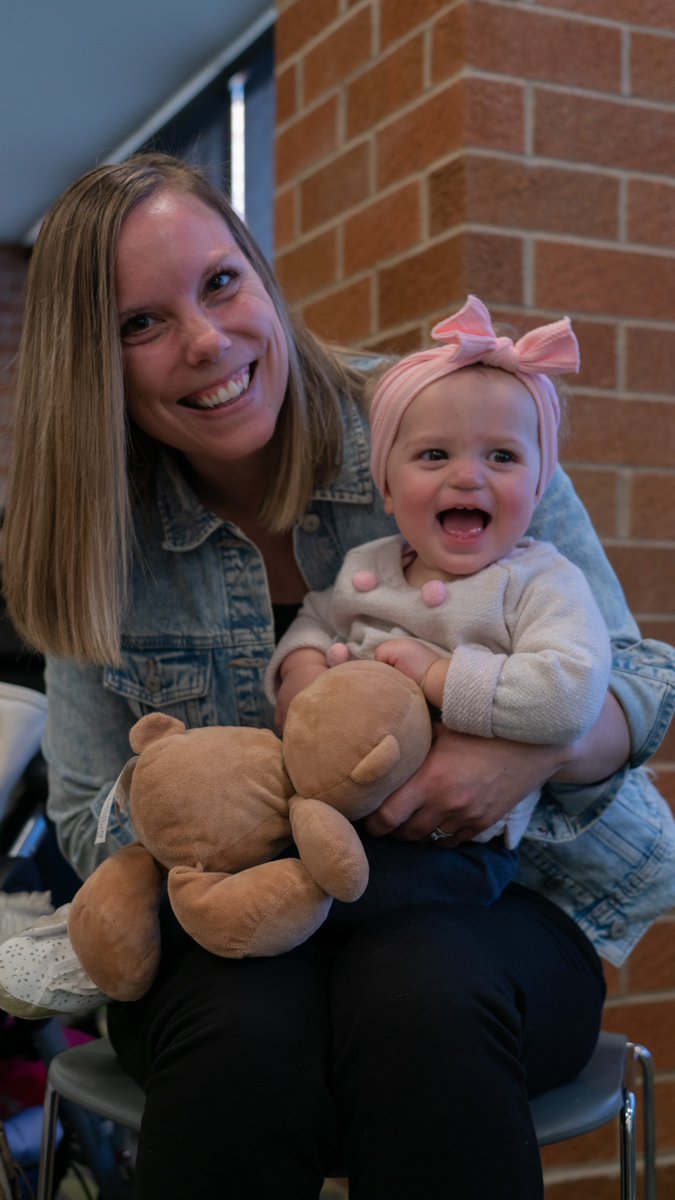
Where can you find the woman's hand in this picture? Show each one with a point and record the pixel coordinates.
(468, 783)
(465, 784)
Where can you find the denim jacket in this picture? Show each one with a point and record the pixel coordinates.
(200, 631)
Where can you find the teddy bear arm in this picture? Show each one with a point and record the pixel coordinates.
(263, 910)
(113, 923)
(330, 847)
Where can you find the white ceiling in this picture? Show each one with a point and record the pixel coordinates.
(85, 81)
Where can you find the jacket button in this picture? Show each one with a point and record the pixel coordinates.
(152, 680)
(310, 523)
(618, 928)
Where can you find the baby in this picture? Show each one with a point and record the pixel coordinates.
(500, 631)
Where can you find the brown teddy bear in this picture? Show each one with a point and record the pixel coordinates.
(215, 806)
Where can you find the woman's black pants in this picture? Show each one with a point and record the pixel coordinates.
(400, 1051)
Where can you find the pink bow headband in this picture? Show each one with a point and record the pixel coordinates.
(468, 338)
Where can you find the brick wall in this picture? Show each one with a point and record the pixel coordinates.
(525, 152)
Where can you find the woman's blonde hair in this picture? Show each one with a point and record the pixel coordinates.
(67, 536)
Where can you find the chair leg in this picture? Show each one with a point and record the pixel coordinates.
(628, 1155)
(644, 1058)
(48, 1145)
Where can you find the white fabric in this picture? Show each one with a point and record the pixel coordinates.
(23, 713)
(20, 910)
(40, 975)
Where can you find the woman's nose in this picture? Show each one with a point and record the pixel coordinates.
(205, 340)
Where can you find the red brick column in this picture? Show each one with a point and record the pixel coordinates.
(525, 152)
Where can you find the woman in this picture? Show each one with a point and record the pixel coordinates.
(186, 464)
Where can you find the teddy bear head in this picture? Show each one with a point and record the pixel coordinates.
(353, 737)
(215, 797)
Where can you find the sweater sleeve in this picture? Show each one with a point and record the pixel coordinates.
(312, 628)
(551, 685)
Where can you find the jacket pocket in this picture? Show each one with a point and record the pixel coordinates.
(176, 680)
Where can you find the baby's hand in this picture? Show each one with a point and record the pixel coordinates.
(418, 662)
(337, 654)
(298, 670)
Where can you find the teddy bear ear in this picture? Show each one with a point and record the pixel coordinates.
(378, 762)
(151, 728)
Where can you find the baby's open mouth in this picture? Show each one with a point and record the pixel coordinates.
(464, 522)
(224, 395)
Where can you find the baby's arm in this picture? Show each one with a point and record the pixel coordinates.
(419, 662)
(550, 686)
(296, 671)
(301, 653)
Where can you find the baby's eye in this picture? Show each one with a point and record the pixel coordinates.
(501, 456)
(136, 324)
(433, 455)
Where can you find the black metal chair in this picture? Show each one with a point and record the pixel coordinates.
(91, 1076)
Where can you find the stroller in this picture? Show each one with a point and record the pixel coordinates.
(35, 879)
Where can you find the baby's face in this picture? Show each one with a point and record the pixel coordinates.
(463, 471)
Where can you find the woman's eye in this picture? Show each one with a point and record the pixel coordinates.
(138, 323)
(502, 456)
(433, 455)
(220, 280)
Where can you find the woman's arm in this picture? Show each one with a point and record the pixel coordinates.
(469, 783)
(86, 744)
(601, 752)
(643, 673)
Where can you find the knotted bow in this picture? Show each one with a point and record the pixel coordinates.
(468, 337)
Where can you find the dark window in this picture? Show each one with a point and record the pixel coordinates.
(228, 129)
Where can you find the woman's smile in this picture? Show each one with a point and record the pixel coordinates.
(205, 353)
(221, 395)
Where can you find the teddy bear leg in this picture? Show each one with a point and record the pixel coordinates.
(263, 910)
(114, 923)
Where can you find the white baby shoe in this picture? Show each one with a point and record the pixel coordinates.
(40, 975)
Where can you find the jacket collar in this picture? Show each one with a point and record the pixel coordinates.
(187, 524)
(353, 485)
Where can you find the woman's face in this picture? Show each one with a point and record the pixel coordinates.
(205, 355)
